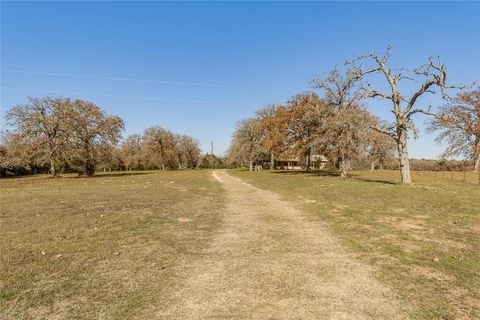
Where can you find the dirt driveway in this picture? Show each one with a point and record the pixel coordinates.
(271, 261)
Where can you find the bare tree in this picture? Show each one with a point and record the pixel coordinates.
(189, 153)
(235, 156)
(459, 125)
(91, 129)
(61, 133)
(434, 76)
(347, 125)
(108, 157)
(130, 151)
(247, 140)
(158, 149)
(43, 126)
(179, 150)
(19, 155)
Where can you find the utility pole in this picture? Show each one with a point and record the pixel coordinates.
(211, 147)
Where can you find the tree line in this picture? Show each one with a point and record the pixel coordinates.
(61, 134)
(332, 119)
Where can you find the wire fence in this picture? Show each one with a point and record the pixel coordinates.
(464, 176)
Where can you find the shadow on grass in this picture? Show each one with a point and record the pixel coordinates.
(116, 174)
(13, 177)
(333, 173)
(313, 173)
(73, 175)
(382, 181)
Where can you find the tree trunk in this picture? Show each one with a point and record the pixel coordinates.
(372, 165)
(404, 161)
(272, 161)
(89, 168)
(251, 165)
(476, 160)
(343, 167)
(53, 170)
(308, 159)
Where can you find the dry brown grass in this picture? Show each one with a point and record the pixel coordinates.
(103, 247)
(184, 245)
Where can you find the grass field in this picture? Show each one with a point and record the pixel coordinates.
(118, 246)
(103, 247)
(424, 240)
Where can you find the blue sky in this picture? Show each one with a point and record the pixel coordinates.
(199, 67)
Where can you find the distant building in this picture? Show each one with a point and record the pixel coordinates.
(318, 161)
(288, 164)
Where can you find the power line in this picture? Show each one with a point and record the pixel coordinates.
(204, 84)
(126, 96)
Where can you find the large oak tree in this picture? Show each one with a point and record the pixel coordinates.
(43, 124)
(92, 130)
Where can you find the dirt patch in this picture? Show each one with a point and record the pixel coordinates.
(38, 313)
(444, 243)
(340, 206)
(430, 273)
(404, 224)
(306, 200)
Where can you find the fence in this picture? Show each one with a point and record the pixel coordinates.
(465, 176)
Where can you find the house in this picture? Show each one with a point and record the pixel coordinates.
(318, 161)
(288, 164)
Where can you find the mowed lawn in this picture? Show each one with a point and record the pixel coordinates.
(113, 247)
(424, 240)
